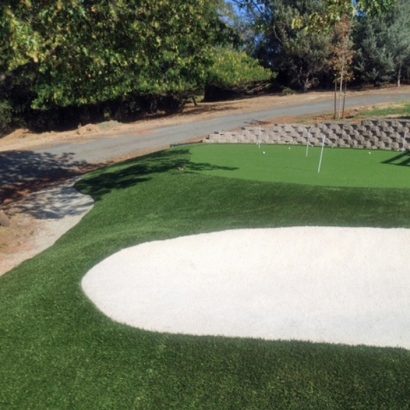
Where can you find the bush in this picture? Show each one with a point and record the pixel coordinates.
(288, 91)
(236, 71)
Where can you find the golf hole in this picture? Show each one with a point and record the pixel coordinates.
(320, 284)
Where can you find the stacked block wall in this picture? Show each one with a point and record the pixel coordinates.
(369, 134)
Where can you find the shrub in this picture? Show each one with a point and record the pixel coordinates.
(288, 91)
(235, 71)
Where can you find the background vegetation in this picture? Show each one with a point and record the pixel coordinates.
(77, 61)
(296, 38)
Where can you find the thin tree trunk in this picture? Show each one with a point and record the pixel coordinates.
(399, 77)
(306, 85)
(341, 87)
(344, 101)
(335, 101)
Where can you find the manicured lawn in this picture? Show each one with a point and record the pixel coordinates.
(340, 167)
(57, 351)
(397, 109)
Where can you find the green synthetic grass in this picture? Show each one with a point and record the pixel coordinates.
(58, 352)
(340, 167)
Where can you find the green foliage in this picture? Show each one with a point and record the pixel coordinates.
(300, 56)
(396, 37)
(334, 10)
(91, 52)
(373, 62)
(384, 44)
(330, 11)
(375, 6)
(138, 55)
(288, 91)
(235, 69)
(294, 37)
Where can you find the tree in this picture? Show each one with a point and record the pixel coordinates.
(398, 37)
(383, 45)
(107, 57)
(334, 10)
(373, 62)
(87, 52)
(342, 61)
(300, 56)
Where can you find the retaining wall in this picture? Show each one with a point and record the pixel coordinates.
(369, 134)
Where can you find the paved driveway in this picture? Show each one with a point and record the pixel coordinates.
(108, 148)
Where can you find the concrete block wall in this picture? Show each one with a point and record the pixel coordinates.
(369, 134)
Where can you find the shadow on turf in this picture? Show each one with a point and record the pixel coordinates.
(402, 160)
(135, 171)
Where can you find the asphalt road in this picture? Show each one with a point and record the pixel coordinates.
(107, 148)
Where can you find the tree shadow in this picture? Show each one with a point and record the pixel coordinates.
(142, 169)
(54, 202)
(41, 184)
(23, 173)
(402, 159)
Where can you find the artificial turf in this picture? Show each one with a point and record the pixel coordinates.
(58, 351)
(340, 167)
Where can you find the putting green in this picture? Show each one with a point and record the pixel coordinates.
(340, 167)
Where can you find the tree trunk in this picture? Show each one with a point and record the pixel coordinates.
(399, 77)
(341, 87)
(306, 85)
(344, 101)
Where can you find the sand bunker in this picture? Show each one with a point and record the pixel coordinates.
(336, 285)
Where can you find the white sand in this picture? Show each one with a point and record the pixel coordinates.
(336, 285)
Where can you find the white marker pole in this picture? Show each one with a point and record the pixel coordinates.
(321, 153)
(259, 137)
(404, 141)
(307, 144)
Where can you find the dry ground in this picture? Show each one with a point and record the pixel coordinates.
(20, 240)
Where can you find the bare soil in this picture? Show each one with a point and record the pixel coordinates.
(18, 241)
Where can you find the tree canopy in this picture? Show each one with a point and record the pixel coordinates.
(106, 55)
(80, 53)
(299, 55)
(334, 10)
(91, 51)
(383, 50)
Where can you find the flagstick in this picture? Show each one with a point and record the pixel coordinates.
(321, 154)
(307, 144)
(259, 137)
